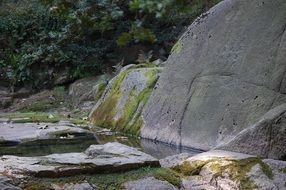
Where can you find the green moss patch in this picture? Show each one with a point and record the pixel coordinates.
(177, 48)
(168, 175)
(113, 181)
(100, 90)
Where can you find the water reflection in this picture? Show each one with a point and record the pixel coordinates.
(161, 150)
(81, 143)
(156, 149)
(48, 146)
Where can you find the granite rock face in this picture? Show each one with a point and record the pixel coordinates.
(223, 75)
(266, 138)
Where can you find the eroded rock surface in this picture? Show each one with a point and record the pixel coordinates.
(225, 72)
(110, 157)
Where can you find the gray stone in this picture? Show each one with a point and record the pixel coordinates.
(225, 72)
(279, 172)
(196, 183)
(172, 161)
(7, 184)
(266, 138)
(110, 157)
(263, 182)
(149, 183)
(85, 90)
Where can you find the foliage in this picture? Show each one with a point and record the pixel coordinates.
(41, 38)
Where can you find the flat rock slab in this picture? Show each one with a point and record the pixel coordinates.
(110, 157)
(149, 183)
(31, 131)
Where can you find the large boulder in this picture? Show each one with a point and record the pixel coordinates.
(124, 98)
(266, 138)
(225, 72)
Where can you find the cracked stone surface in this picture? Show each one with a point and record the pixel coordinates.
(225, 73)
(110, 157)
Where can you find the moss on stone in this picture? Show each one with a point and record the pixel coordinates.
(177, 48)
(100, 90)
(130, 120)
(144, 65)
(236, 170)
(266, 169)
(168, 175)
(113, 181)
(190, 168)
(37, 186)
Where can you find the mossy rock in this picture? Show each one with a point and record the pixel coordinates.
(230, 168)
(124, 98)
